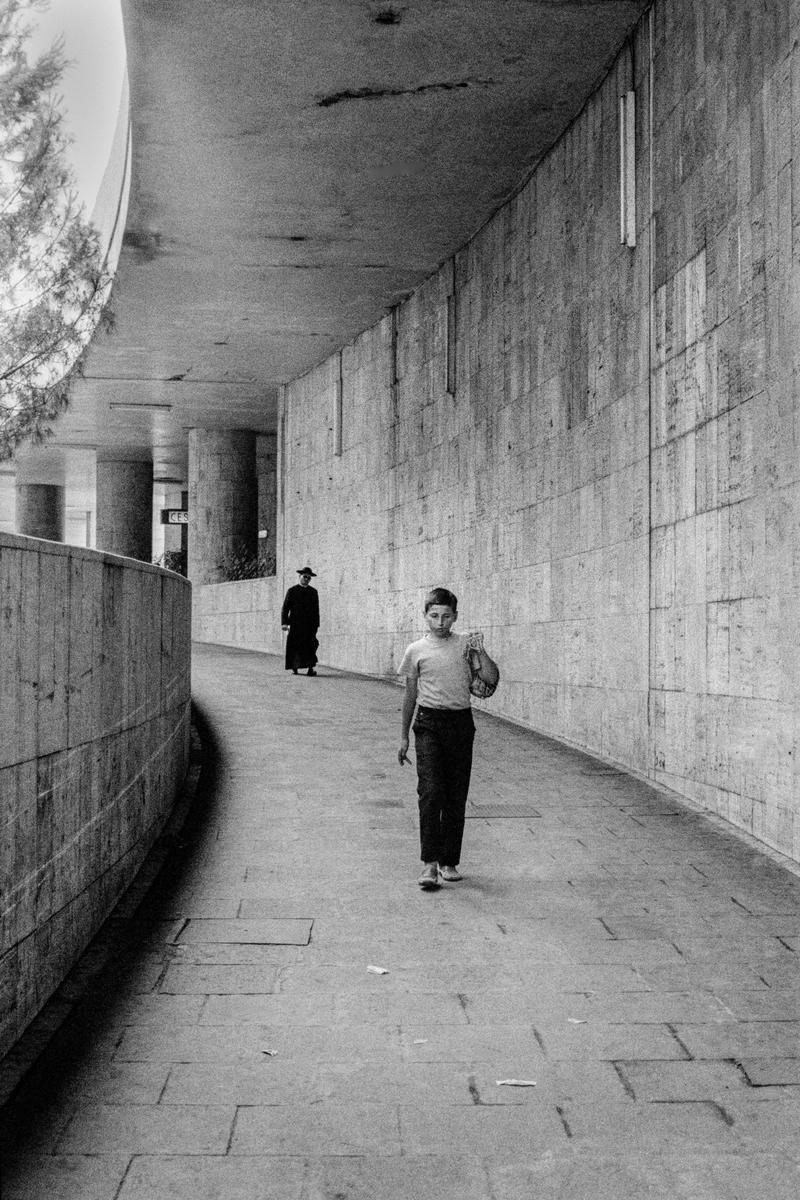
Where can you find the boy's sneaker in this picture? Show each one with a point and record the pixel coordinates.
(450, 874)
(429, 878)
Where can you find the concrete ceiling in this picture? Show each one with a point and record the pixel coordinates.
(299, 166)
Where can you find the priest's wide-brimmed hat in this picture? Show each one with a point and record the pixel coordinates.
(306, 571)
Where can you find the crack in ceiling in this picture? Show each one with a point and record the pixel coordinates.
(381, 93)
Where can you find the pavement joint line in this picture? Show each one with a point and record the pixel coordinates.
(689, 1056)
(564, 1121)
(626, 1083)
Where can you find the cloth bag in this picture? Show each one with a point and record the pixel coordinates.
(478, 687)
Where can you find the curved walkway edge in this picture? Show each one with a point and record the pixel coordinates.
(607, 1006)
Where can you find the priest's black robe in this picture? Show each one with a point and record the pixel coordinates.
(301, 613)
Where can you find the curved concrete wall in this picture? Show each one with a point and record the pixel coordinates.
(612, 481)
(95, 718)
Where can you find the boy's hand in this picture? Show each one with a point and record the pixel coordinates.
(475, 641)
(402, 753)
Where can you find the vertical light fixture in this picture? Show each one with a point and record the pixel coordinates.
(627, 169)
(451, 329)
(395, 377)
(337, 410)
(282, 449)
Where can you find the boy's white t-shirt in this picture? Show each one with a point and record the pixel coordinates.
(442, 670)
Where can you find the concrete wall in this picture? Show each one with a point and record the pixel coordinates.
(244, 614)
(725, 471)
(613, 486)
(94, 718)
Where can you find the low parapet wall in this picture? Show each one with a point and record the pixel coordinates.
(95, 692)
(246, 613)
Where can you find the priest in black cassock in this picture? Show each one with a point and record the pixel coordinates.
(300, 615)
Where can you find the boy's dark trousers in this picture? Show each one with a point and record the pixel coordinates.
(443, 740)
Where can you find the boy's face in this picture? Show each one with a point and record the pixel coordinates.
(440, 619)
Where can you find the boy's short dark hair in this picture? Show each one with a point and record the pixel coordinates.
(441, 596)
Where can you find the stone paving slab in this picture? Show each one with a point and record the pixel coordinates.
(456, 1177)
(776, 1004)
(201, 979)
(342, 1129)
(192, 1043)
(159, 1009)
(768, 1072)
(695, 1080)
(659, 1124)
(64, 1176)
(686, 1173)
(556, 1083)
(480, 1129)
(147, 1129)
(285, 932)
(635, 963)
(716, 979)
(741, 1039)
(595, 1040)
(349, 1082)
(115, 1083)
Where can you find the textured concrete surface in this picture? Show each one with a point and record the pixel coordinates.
(245, 613)
(94, 738)
(615, 483)
(40, 511)
(223, 502)
(124, 492)
(634, 961)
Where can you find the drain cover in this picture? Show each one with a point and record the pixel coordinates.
(491, 812)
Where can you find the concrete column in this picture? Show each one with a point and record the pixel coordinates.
(170, 541)
(184, 536)
(223, 502)
(125, 509)
(267, 465)
(40, 511)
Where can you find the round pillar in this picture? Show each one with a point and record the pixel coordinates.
(40, 511)
(124, 518)
(223, 503)
(267, 465)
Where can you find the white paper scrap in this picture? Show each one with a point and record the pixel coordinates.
(575, 1021)
(516, 1083)
(378, 970)
(270, 1052)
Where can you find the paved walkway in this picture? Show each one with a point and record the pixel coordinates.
(619, 952)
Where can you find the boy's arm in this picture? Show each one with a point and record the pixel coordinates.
(487, 669)
(409, 704)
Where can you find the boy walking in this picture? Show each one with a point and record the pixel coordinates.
(438, 679)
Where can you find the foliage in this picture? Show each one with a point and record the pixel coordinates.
(53, 286)
(243, 564)
(172, 560)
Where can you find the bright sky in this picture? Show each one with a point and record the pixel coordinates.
(94, 49)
